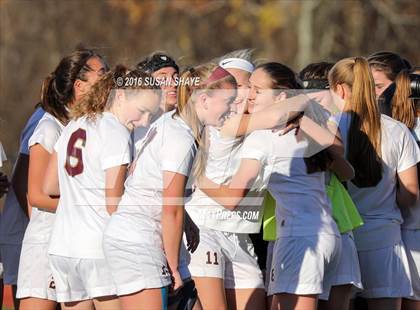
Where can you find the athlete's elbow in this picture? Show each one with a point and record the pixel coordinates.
(172, 211)
(34, 198)
(172, 216)
(49, 189)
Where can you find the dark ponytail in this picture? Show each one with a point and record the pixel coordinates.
(58, 87)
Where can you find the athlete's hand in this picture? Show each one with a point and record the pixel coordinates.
(232, 125)
(282, 130)
(192, 234)
(295, 123)
(176, 280)
(4, 184)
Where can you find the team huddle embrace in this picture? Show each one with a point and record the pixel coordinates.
(145, 195)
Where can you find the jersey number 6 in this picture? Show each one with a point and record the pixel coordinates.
(74, 160)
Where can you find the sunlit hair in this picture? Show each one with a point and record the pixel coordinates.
(245, 54)
(403, 107)
(58, 88)
(364, 140)
(389, 63)
(101, 96)
(187, 94)
(316, 71)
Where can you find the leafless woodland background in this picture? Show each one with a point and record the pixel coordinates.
(36, 34)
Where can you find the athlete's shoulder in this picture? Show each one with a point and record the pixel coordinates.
(47, 132)
(49, 123)
(108, 123)
(110, 130)
(174, 127)
(392, 124)
(394, 129)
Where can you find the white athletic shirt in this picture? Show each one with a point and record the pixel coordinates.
(303, 208)
(2, 155)
(81, 214)
(168, 146)
(377, 205)
(40, 224)
(411, 215)
(222, 162)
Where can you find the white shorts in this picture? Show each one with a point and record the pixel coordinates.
(348, 269)
(228, 256)
(35, 277)
(79, 279)
(304, 265)
(385, 272)
(411, 239)
(136, 266)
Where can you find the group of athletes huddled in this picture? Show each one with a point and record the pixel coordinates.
(129, 195)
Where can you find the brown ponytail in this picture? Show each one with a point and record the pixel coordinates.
(58, 88)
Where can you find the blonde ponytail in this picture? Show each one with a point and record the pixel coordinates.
(364, 139)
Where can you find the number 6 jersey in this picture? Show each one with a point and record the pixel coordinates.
(85, 150)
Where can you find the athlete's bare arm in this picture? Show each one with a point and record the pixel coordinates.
(172, 220)
(230, 195)
(50, 185)
(275, 115)
(38, 163)
(114, 186)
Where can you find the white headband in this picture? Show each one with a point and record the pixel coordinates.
(237, 63)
